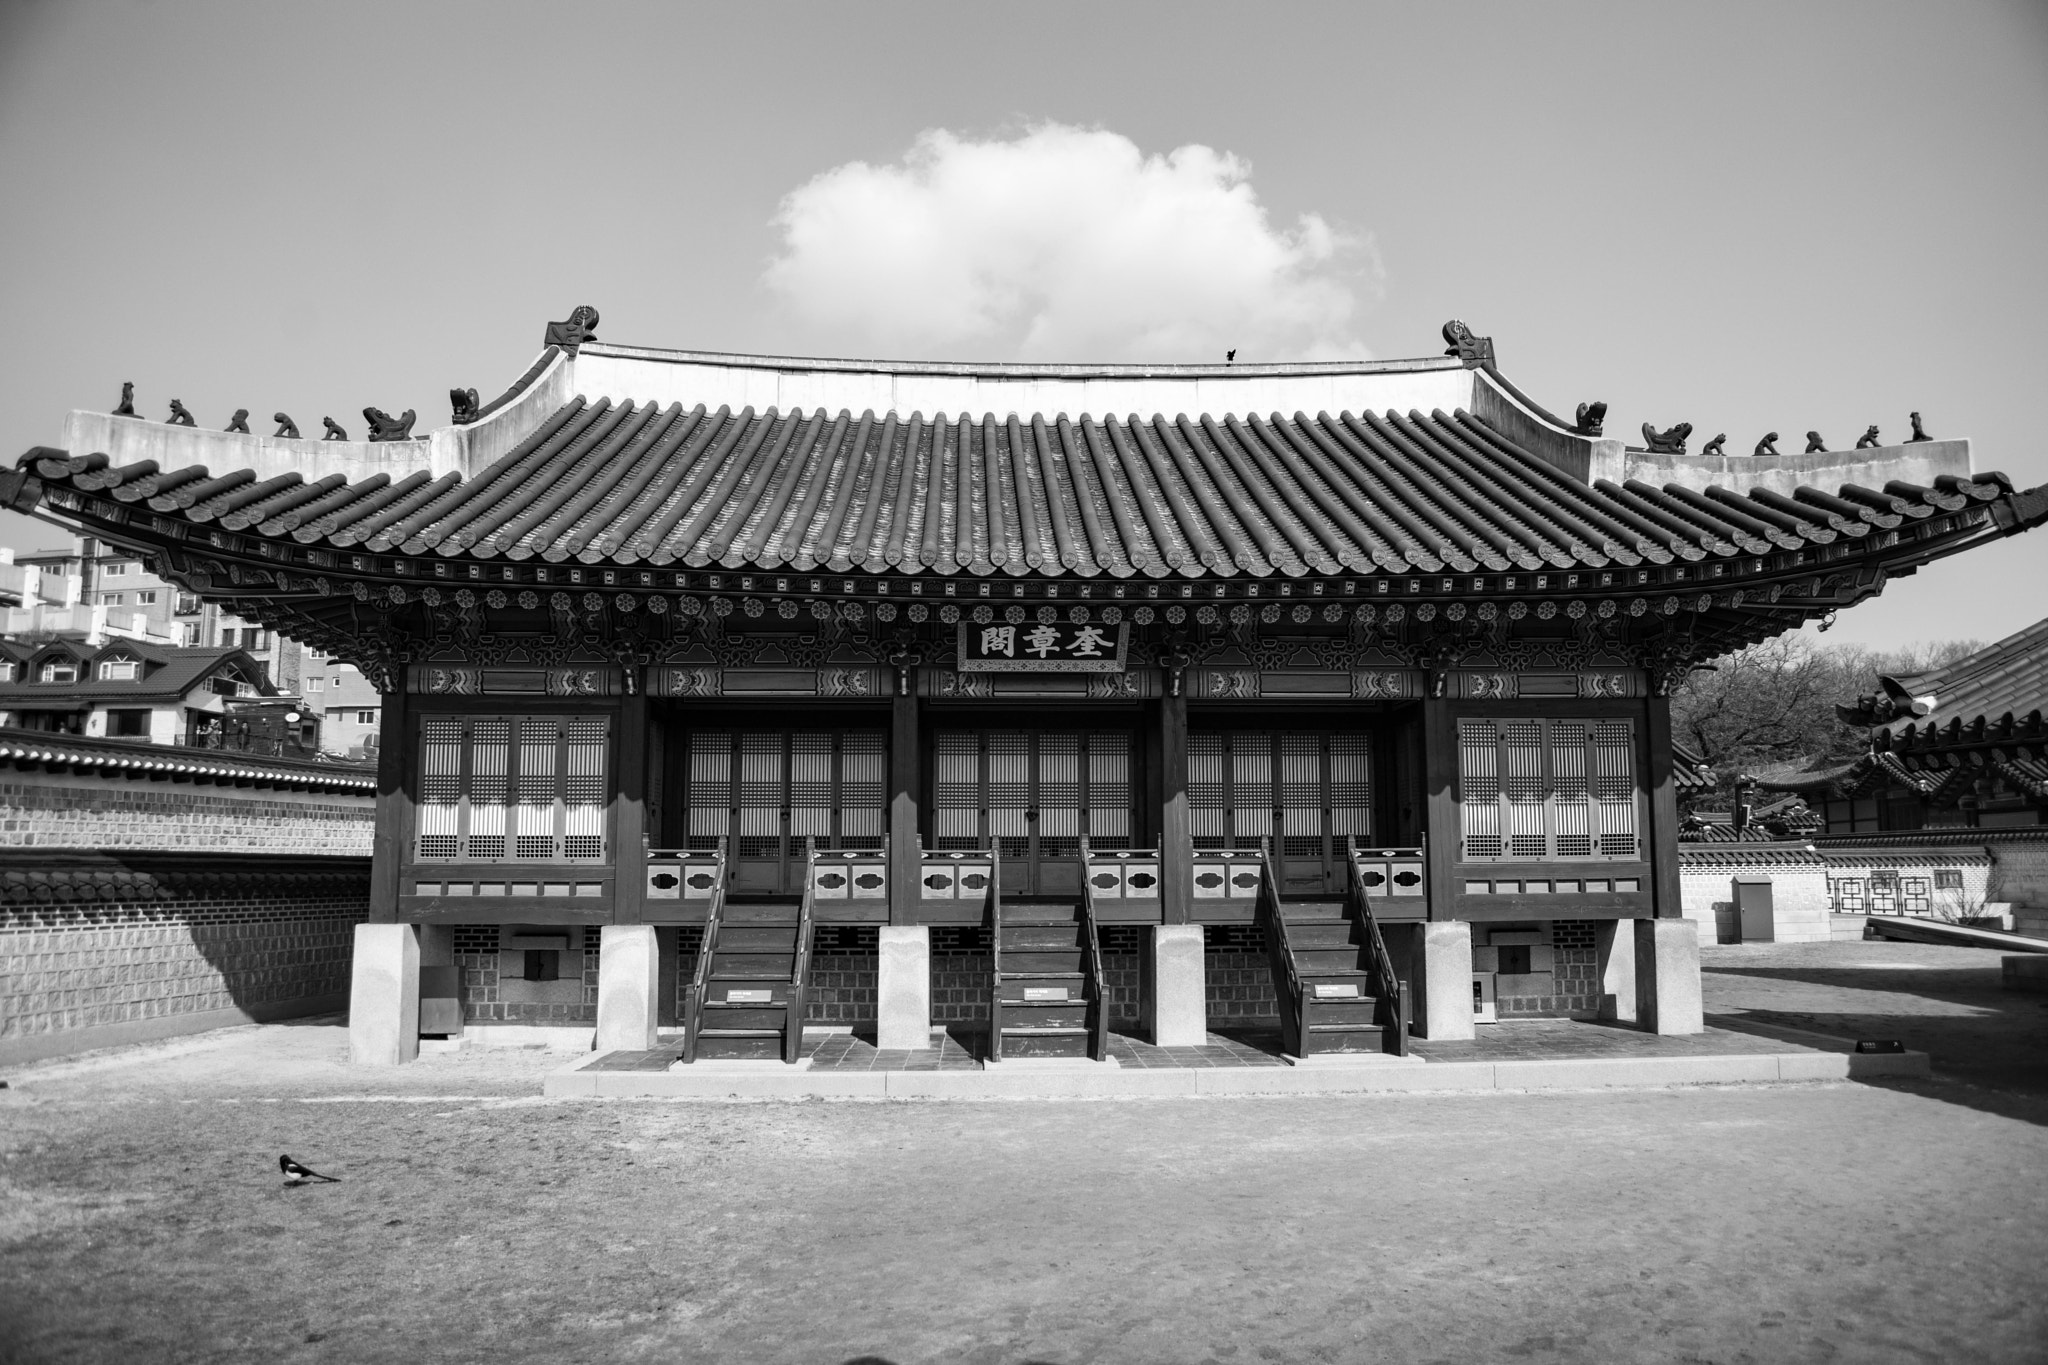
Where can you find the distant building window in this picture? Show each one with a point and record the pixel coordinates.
(127, 723)
(6, 672)
(366, 717)
(119, 670)
(256, 639)
(228, 686)
(111, 599)
(337, 680)
(187, 604)
(117, 569)
(315, 684)
(59, 671)
(145, 599)
(1948, 879)
(188, 633)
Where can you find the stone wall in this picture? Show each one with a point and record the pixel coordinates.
(67, 810)
(79, 970)
(1799, 890)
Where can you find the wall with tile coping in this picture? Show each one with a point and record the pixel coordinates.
(68, 810)
(95, 974)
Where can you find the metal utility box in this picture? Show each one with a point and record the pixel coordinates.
(1755, 919)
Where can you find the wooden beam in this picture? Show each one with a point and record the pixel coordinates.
(1440, 805)
(630, 811)
(1176, 837)
(1661, 838)
(395, 796)
(906, 871)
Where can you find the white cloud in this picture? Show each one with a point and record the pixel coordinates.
(1064, 244)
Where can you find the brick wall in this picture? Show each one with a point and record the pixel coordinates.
(2019, 872)
(63, 810)
(81, 971)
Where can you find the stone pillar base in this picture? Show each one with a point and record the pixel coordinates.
(1175, 991)
(384, 996)
(1668, 976)
(628, 988)
(1616, 942)
(1442, 981)
(903, 987)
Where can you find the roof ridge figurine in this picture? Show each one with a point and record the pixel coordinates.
(286, 427)
(1814, 444)
(1475, 351)
(181, 416)
(1919, 432)
(1768, 445)
(334, 431)
(1590, 418)
(464, 402)
(1671, 442)
(1869, 441)
(239, 422)
(580, 327)
(127, 405)
(385, 427)
(1713, 447)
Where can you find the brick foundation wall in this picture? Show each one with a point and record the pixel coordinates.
(84, 971)
(1574, 977)
(61, 810)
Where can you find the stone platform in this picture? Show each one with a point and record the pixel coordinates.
(1548, 1054)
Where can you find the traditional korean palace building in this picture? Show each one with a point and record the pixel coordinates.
(698, 670)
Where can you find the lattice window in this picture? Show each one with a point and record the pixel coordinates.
(527, 788)
(987, 786)
(830, 785)
(1919, 899)
(1308, 789)
(1543, 789)
(1208, 789)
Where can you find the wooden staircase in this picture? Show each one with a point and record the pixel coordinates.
(751, 979)
(1046, 998)
(1331, 973)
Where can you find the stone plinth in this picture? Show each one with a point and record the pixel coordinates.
(1443, 980)
(384, 996)
(1668, 976)
(628, 988)
(1175, 1002)
(903, 988)
(1615, 942)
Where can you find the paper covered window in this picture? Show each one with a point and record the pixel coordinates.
(513, 789)
(1547, 789)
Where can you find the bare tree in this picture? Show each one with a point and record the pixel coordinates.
(1773, 705)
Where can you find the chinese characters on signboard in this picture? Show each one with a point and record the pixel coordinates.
(1040, 647)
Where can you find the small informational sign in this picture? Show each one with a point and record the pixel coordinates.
(733, 997)
(1036, 994)
(1336, 992)
(1043, 647)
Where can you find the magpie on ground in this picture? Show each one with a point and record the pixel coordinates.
(295, 1174)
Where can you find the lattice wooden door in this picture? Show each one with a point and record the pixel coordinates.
(773, 789)
(1031, 796)
(1309, 791)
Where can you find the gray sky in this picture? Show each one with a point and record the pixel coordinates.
(1747, 217)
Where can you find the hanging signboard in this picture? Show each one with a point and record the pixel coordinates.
(1043, 647)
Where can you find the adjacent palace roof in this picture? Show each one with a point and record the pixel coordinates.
(1436, 472)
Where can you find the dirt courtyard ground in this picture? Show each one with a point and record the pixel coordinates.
(142, 1217)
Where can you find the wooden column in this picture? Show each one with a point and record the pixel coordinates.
(1661, 838)
(1176, 839)
(905, 867)
(395, 794)
(1440, 804)
(629, 859)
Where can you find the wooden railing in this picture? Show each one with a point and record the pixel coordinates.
(1091, 950)
(995, 956)
(1279, 953)
(682, 881)
(700, 978)
(800, 973)
(1391, 992)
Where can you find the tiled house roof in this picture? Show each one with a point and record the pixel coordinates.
(168, 674)
(136, 758)
(1359, 492)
